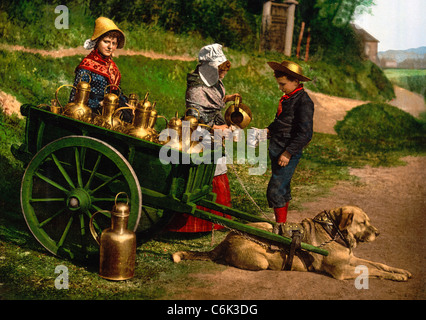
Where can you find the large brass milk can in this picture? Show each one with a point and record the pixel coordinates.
(78, 109)
(117, 245)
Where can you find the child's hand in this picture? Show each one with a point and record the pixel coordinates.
(284, 159)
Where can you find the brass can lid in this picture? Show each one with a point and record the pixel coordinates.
(111, 98)
(83, 85)
(121, 209)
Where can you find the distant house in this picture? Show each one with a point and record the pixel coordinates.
(388, 63)
(370, 43)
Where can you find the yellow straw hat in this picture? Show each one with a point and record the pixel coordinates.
(290, 68)
(103, 25)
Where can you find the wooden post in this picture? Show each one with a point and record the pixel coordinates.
(308, 41)
(290, 26)
(302, 29)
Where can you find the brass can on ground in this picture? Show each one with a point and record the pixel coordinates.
(117, 245)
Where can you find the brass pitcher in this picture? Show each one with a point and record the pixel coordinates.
(238, 114)
(78, 109)
(144, 120)
(108, 118)
(117, 244)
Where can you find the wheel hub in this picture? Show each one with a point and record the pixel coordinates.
(78, 199)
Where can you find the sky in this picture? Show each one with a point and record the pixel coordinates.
(397, 24)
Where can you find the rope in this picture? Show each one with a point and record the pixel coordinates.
(246, 191)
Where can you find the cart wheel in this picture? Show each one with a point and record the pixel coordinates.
(69, 180)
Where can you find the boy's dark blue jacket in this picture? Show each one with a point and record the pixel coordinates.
(293, 128)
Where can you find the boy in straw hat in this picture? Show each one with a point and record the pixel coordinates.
(103, 71)
(289, 133)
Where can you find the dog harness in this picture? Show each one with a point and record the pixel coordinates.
(327, 222)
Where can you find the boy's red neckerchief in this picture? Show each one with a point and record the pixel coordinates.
(288, 96)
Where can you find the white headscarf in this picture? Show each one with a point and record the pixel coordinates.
(210, 57)
(89, 44)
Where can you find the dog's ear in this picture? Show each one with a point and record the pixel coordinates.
(346, 219)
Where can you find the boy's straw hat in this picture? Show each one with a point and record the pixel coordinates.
(102, 26)
(290, 68)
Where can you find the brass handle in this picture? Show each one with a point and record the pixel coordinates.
(122, 192)
(57, 90)
(122, 108)
(84, 73)
(114, 86)
(237, 101)
(92, 228)
(198, 118)
(167, 121)
(205, 125)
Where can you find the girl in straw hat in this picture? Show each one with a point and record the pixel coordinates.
(103, 71)
(289, 133)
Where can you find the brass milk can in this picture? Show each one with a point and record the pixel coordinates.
(193, 125)
(152, 120)
(78, 109)
(145, 117)
(108, 118)
(139, 127)
(117, 245)
(174, 132)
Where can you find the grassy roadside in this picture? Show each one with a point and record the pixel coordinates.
(412, 80)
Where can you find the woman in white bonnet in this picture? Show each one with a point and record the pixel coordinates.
(205, 92)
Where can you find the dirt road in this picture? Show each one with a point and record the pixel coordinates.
(395, 200)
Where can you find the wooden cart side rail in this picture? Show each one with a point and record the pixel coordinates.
(166, 202)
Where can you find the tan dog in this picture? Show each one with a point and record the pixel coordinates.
(354, 226)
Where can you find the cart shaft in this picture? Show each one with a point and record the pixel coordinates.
(159, 200)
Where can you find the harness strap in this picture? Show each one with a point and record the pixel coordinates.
(296, 239)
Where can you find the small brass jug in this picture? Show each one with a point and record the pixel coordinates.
(238, 114)
(78, 109)
(54, 107)
(117, 245)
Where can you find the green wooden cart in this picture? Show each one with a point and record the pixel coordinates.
(74, 169)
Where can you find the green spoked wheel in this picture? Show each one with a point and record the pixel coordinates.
(69, 180)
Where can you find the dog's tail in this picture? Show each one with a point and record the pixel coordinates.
(198, 255)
